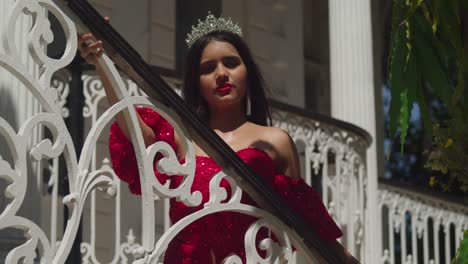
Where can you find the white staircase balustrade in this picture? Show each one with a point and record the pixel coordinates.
(84, 176)
(419, 227)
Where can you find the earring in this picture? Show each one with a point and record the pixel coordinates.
(248, 110)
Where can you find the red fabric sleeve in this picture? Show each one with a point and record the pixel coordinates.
(307, 203)
(123, 155)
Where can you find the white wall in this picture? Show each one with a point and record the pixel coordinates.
(273, 30)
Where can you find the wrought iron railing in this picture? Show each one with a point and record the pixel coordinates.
(433, 225)
(419, 226)
(84, 176)
(332, 157)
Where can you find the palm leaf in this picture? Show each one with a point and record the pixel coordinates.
(398, 58)
(408, 97)
(462, 252)
(431, 66)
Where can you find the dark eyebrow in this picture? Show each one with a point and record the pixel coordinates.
(233, 57)
(230, 57)
(206, 62)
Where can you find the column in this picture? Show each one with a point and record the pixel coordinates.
(353, 93)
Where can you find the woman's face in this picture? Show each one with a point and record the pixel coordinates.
(223, 76)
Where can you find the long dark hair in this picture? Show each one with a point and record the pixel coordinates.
(260, 111)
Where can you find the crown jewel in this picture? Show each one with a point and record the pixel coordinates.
(211, 24)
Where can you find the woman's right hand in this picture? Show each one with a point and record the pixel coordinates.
(90, 50)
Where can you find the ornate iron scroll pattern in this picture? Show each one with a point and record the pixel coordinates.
(426, 218)
(83, 177)
(16, 173)
(94, 94)
(94, 97)
(338, 157)
(319, 139)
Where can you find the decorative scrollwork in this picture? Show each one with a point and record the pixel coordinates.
(83, 178)
(403, 205)
(275, 251)
(131, 248)
(16, 188)
(25, 252)
(93, 92)
(61, 82)
(40, 36)
(338, 156)
(219, 194)
(81, 182)
(86, 251)
(319, 139)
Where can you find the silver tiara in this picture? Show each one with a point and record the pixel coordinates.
(211, 24)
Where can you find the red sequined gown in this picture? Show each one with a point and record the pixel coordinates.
(222, 234)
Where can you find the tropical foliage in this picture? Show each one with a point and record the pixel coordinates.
(429, 58)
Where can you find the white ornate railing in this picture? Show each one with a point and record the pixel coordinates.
(121, 251)
(336, 155)
(332, 154)
(419, 228)
(316, 140)
(88, 172)
(333, 158)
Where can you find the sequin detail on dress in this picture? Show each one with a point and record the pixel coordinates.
(220, 234)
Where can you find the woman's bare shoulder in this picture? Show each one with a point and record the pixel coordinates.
(279, 146)
(272, 135)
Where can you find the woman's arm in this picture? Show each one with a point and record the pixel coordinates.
(287, 158)
(91, 51)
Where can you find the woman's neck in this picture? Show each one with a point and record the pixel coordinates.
(227, 120)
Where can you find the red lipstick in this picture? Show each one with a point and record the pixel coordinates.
(224, 88)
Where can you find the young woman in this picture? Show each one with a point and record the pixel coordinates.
(224, 86)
